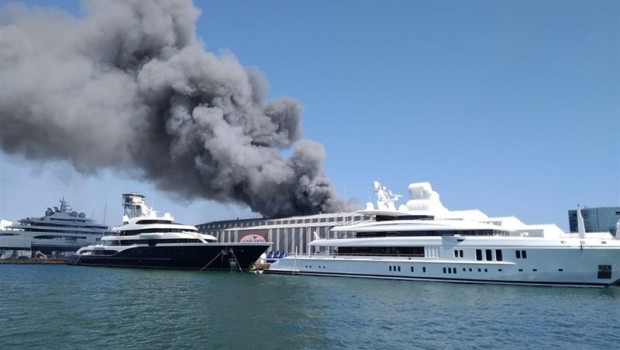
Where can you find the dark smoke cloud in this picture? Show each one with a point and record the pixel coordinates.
(129, 87)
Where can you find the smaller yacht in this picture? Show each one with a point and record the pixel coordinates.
(60, 231)
(151, 241)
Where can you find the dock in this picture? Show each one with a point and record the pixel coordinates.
(34, 261)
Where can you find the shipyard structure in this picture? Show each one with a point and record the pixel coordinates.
(291, 234)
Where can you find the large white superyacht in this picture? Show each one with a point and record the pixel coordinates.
(60, 231)
(423, 240)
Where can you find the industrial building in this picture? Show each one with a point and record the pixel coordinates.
(287, 234)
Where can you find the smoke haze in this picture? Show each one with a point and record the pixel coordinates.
(129, 87)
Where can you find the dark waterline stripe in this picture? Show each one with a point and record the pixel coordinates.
(439, 279)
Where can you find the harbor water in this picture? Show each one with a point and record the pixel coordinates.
(70, 307)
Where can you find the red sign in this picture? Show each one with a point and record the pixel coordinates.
(252, 238)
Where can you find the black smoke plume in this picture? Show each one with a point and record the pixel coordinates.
(128, 86)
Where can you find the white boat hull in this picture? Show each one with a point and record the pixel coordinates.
(574, 266)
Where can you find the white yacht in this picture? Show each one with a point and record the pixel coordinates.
(151, 241)
(61, 230)
(423, 240)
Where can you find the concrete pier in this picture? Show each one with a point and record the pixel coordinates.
(34, 261)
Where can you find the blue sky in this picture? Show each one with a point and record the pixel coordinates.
(510, 107)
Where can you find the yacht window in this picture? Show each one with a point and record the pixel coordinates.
(524, 254)
(489, 255)
(418, 233)
(104, 252)
(518, 254)
(498, 255)
(389, 251)
(604, 271)
(148, 222)
(478, 254)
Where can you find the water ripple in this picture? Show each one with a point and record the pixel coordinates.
(64, 307)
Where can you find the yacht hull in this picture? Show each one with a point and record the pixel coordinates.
(50, 249)
(573, 267)
(14, 243)
(47, 247)
(208, 256)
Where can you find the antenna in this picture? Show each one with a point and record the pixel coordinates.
(105, 209)
(385, 197)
